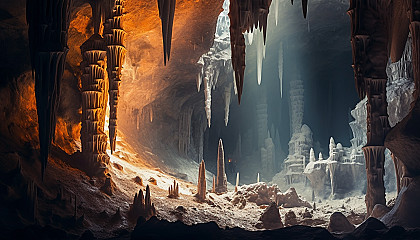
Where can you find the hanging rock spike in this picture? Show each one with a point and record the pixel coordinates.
(166, 15)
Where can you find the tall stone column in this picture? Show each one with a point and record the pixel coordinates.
(114, 35)
(94, 102)
(369, 39)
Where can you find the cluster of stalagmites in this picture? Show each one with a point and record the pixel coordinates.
(142, 206)
(173, 190)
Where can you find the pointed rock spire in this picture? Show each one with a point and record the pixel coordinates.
(166, 15)
(173, 190)
(201, 185)
(47, 33)
(221, 183)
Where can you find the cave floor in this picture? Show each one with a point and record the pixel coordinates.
(99, 210)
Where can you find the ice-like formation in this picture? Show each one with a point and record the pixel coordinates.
(299, 146)
(228, 90)
(217, 61)
(312, 155)
(280, 65)
(358, 125)
(207, 101)
(400, 86)
(276, 10)
(260, 54)
(244, 16)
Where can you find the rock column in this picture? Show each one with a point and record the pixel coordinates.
(369, 39)
(114, 37)
(94, 102)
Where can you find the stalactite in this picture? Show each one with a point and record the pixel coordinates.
(244, 15)
(114, 36)
(201, 185)
(237, 182)
(221, 183)
(48, 22)
(228, 91)
(280, 66)
(276, 10)
(173, 190)
(260, 56)
(207, 101)
(166, 15)
(94, 102)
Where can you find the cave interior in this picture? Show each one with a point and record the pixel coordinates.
(210, 119)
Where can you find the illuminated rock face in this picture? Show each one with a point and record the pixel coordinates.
(48, 26)
(94, 102)
(114, 36)
(221, 183)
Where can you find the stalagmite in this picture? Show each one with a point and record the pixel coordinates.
(244, 15)
(201, 185)
(173, 190)
(115, 42)
(94, 103)
(237, 182)
(221, 183)
(280, 66)
(320, 157)
(48, 26)
(142, 206)
(258, 177)
(311, 155)
(166, 15)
